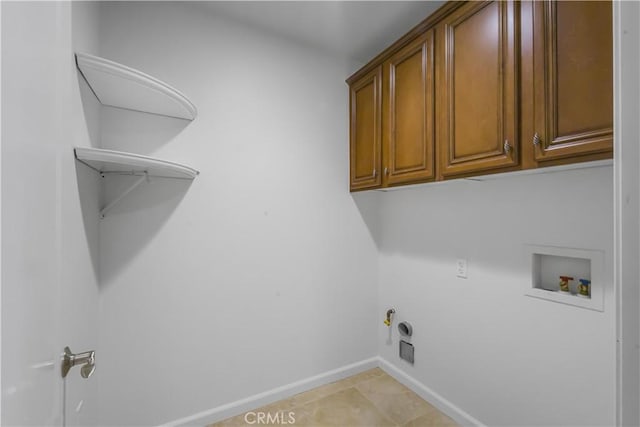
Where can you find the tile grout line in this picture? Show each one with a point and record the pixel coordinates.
(376, 406)
(342, 385)
(380, 409)
(346, 387)
(339, 390)
(374, 403)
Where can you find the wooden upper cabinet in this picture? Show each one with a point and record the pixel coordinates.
(365, 98)
(482, 87)
(477, 87)
(408, 106)
(572, 78)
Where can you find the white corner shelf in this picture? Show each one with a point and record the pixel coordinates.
(117, 85)
(548, 263)
(109, 162)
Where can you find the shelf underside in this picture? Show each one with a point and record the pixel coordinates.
(117, 85)
(117, 162)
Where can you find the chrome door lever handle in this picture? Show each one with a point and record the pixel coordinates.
(86, 359)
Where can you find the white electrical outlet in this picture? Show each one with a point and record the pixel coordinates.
(461, 268)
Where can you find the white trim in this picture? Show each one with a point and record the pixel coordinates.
(1, 214)
(444, 405)
(232, 409)
(626, 66)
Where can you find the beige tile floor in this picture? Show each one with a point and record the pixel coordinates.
(371, 398)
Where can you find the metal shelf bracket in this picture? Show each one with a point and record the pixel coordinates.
(124, 194)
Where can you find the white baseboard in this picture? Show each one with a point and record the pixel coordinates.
(448, 408)
(265, 398)
(261, 399)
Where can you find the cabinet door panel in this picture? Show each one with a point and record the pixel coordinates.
(477, 83)
(409, 108)
(573, 79)
(365, 131)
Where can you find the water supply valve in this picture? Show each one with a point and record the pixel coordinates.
(388, 320)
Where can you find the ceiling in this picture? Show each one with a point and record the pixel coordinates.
(357, 30)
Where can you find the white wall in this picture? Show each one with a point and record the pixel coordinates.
(480, 343)
(49, 217)
(262, 271)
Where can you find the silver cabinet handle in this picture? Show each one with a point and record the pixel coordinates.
(386, 171)
(507, 147)
(375, 173)
(536, 139)
(86, 359)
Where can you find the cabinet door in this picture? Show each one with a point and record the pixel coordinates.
(408, 103)
(573, 78)
(365, 130)
(477, 84)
